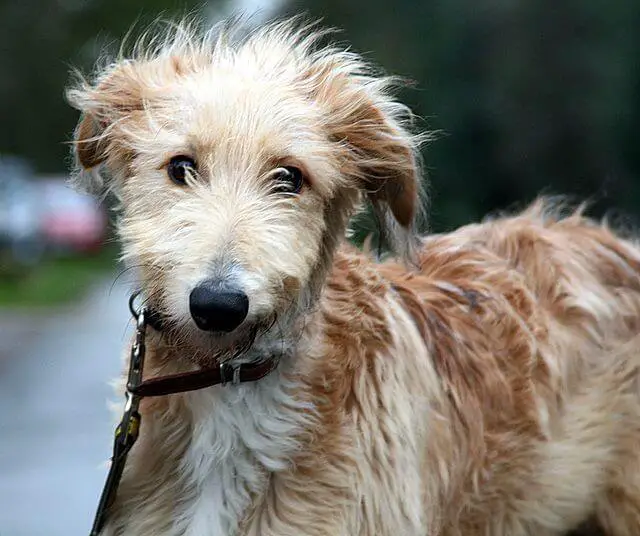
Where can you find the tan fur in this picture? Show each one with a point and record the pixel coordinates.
(490, 389)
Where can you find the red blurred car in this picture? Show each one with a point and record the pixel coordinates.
(71, 221)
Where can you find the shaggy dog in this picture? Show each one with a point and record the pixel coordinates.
(485, 382)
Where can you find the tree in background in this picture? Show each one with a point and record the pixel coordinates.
(531, 96)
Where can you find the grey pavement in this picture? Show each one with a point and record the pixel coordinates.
(55, 427)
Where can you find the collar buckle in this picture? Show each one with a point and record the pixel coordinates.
(229, 374)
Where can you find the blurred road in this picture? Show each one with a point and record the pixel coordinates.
(55, 429)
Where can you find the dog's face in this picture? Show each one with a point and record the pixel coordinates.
(237, 167)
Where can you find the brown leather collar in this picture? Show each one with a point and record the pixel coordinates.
(191, 381)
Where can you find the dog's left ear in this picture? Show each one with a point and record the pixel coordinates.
(381, 154)
(87, 142)
(386, 158)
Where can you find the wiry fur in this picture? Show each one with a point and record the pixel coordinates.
(490, 389)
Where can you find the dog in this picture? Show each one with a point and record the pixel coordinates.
(481, 382)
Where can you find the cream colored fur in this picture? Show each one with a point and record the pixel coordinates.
(486, 386)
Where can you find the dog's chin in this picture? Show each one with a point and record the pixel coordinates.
(259, 339)
(210, 348)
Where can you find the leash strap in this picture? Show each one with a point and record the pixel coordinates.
(121, 447)
(128, 430)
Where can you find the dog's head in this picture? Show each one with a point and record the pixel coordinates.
(237, 164)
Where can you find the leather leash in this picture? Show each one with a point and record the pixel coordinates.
(127, 431)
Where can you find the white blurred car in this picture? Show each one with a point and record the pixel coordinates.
(21, 240)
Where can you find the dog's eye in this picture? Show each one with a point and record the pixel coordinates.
(289, 179)
(179, 167)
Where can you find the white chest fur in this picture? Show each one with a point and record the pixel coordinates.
(240, 434)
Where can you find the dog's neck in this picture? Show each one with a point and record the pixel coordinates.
(219, 444)
(222, 445)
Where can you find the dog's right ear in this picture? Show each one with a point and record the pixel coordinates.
(87, 138)
(115, 95)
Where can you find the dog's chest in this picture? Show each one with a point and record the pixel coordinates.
(223, 490)
(239, 436)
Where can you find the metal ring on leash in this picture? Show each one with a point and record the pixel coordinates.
(132, 308)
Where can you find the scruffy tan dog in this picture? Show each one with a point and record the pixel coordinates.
(486, 385)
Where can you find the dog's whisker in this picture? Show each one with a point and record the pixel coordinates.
(120, 274)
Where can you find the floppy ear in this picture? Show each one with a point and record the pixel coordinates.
(116, 95)
(382, 155)
(87, 138)
(386, 158)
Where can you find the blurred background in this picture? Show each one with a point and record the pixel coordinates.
(527, 96)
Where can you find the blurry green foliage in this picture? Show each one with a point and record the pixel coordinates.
(57, 280)
(531, 95)
(40, 40)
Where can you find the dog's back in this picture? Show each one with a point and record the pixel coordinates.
(532, 324)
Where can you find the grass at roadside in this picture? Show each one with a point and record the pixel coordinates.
(55, 281)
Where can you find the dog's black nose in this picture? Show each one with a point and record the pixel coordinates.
(216, 306)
